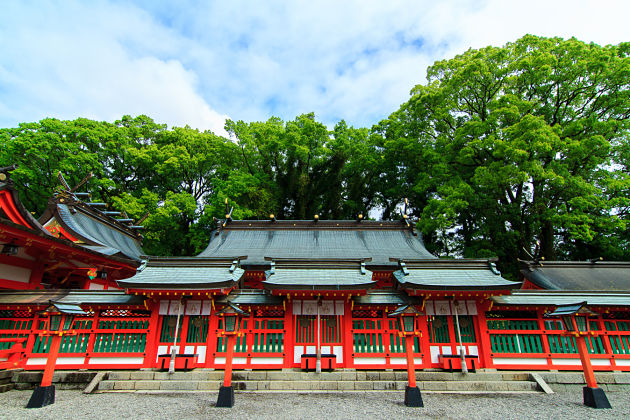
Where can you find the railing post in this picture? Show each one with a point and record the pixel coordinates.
(348, 337)
(92, 337)
(32, 335)
(544, 336)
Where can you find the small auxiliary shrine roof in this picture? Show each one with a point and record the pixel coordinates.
(326, 239)
(452, 274)
(557, 297)
(185, 273)
(77, 297)
(106, 239)
(318, 278)
(582, 275)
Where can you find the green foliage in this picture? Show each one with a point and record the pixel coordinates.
(519, 150)
(304, 169)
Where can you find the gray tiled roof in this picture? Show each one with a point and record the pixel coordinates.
(94, 297)
(553, 297)
(447, 278)
(314, 243)
(94, 231)
(318, 279)
(181, 276)
(568, 275)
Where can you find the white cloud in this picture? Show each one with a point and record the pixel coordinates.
(196, 62)
(100, 62)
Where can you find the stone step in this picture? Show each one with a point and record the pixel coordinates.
(207, 375)
(113, 385)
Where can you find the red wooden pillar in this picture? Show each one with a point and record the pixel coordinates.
(35, 280)
(289, 336)
(231, 342)
(425, 345)
(485, 345)
(589, 375)
(150, 350)
(51, 360)
(411, 371)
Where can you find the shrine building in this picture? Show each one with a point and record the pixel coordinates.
(304, 285)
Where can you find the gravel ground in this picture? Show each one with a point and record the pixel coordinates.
(75, 405)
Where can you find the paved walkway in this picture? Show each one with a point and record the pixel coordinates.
(369, 405)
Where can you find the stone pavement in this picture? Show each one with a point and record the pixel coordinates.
(355, 405)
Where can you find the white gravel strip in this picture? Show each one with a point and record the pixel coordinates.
(370, 405)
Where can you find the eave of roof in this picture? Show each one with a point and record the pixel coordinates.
(559, 297)
(77, 297)
(184, 273)
(578, 275)
(445, 274)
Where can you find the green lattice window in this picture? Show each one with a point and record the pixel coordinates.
(516, 343)
(512, 324)
(366, 337)
(121, 342)
(15, 326)
(266, 340)
(197, 329)
(467, 328)
(567, 345)
(620, 344)
(438, 329)
(169, 324)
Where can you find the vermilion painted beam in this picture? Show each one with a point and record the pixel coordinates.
(10, 208)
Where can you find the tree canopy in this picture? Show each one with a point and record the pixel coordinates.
(520, 151)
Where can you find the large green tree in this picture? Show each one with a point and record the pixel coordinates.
(511, 150)
(306, 169)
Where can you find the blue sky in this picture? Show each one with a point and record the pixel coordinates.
(200, 62)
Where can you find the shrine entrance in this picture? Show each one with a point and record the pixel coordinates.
(309, 335)
(192, 333)
(446, 324)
